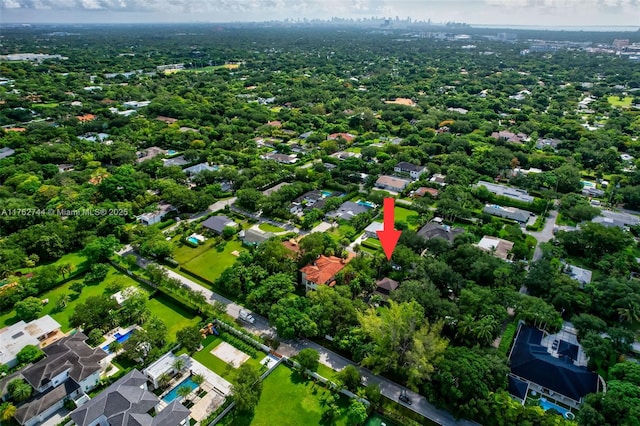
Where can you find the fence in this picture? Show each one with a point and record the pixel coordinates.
(243, 336)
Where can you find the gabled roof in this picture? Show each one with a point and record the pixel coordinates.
(532, 361)
(126, 403)
(408, 167)
(42, 402)
(218, 223)
(438, 230)
(253, 236)
(392, 182)
(69, 353)
(324, 269)
(348, 210)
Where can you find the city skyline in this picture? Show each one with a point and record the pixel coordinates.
(543, 13)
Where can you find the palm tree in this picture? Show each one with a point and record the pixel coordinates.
(163, 380)
(65, 269)
(198, 379)
(63, 301)
(184, 391)
(115, 347)
(178, 365)
(7, 411)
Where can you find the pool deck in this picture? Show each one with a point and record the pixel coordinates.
(110, 337)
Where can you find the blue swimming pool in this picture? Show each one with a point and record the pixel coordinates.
(326, 193)
(546, 405)
(119, 338)
(171, 152)
(193, 240)
(173, 394)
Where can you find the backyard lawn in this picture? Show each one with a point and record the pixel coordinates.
(76, 258)
(267, 227)
(211, 263)
(404, 215)
(288, 399)
(173, 315)
(63, 316)
(624, 102)
(214, 363)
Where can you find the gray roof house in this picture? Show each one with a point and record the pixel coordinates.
(438, 230)
(254, 237)
(218, 223)
(622, 220)
(6, 152)
(413, 170)
(506, 191)
(512, 213)
(348, 210)
(69, 370)
(199, 168)
(127, 402)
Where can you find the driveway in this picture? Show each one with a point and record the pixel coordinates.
(545, 235)
(218, 205)
(329, 358)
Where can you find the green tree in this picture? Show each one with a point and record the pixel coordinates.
(270, 291)
(357, 413)
(29, 353)
(62, 301)
(350, 377)
(115, 347)
(95, 337)
(19, 390)
(404, 342)
(308, 359)
(184, 391)
(101, 249)
(189, 338)
(179, 365)
(198, 379)
(29, 308)
(247, 388)
(7, 411)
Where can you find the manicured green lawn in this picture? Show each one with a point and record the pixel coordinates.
(403, 215)
(214, 363)
(45, 106)
(173, 315)
(211, 263)
(615, 101)
(267, 227)
(76, 258)
(63, 316)
(288, 399)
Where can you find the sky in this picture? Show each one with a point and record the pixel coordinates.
(548, 13)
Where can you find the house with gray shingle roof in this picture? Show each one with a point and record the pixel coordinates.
(128, 402)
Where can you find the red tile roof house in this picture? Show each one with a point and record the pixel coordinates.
(346, 136)
(322, 271)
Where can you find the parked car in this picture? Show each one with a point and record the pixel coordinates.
(246, 316)
(405, 398)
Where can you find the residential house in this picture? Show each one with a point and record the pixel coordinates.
(371, 231)
(346, 136)
(128, 402)
(436, 229)
(508, 136)
(86, 117)
(626, 157)
(15, 337)
(322, 271)
(275, 123)
(136, 104)
(280, 158)
(149, 153)
(95, 137)
(348, 210)
(590, 191)
(552, 366)
(254, 237)
(439, 179)
(506, 191)
(343, 155)
(6, 152)
(546, 142)
(70, 369)
(583, 276)
(175, 161)
(185, 129)
(385, 286)
(458, 110)
(413, 170)
(311, 200)
(156, 216)
(520, 171)
(167, 120)
(521, 216)
(199, 168)
(621, 220)
(305, 135)
(218, 223)
(496, 246)
(63, 168)
(423, 190)
(392, 183)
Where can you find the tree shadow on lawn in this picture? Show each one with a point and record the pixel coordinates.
(241, 418)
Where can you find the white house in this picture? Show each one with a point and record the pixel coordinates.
(412, 170)
(15, 337)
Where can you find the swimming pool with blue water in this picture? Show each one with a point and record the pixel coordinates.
(173, 394)
(121, 338)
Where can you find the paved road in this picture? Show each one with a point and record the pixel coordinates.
(329, 358)
(545, 235)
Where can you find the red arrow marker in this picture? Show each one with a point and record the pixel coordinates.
(388, 236)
